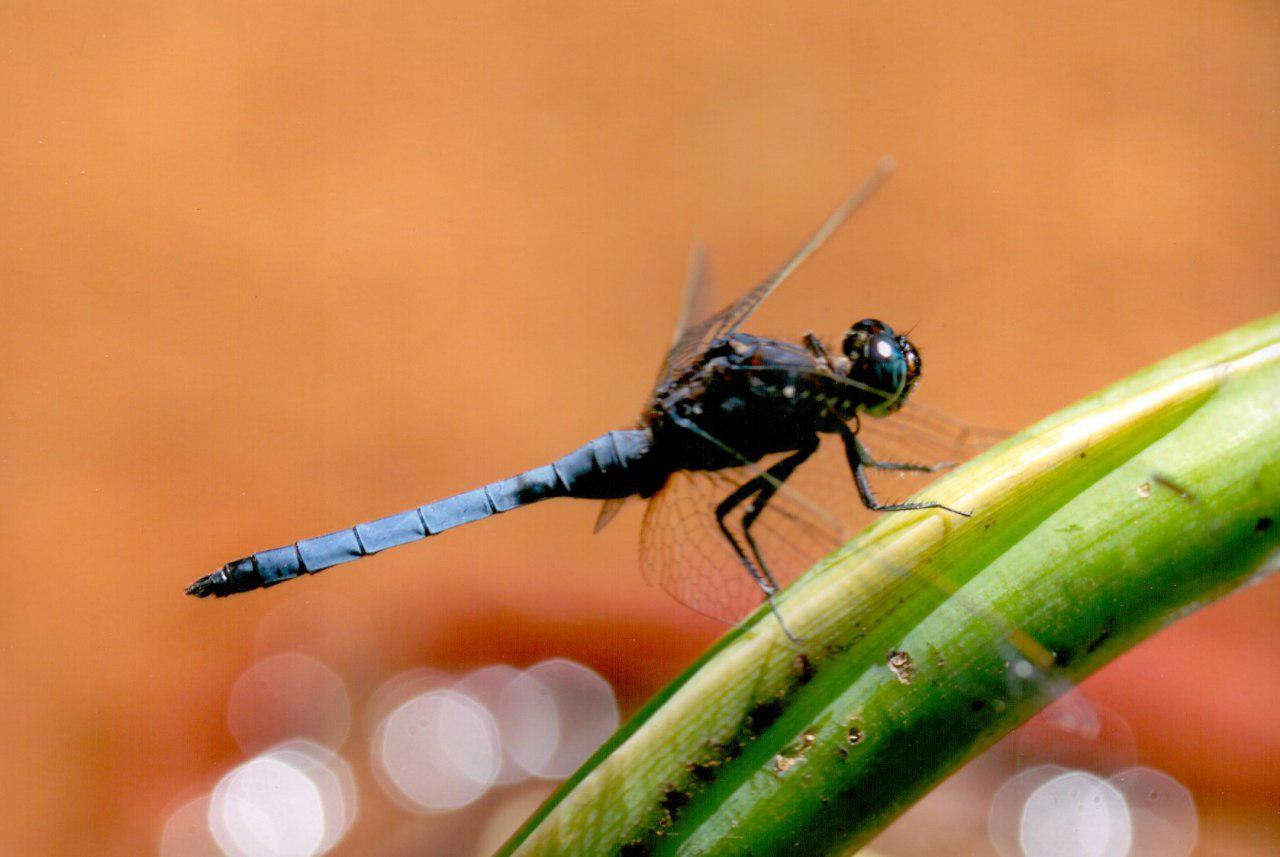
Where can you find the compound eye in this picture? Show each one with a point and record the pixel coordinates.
(857, 337)
(887, 367)
(884, 348)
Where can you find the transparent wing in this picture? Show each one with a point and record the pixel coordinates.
(814, 512)
(925, 435)
(683, 550)
(918, 434)
(695, 305)
(694, 339)
(609, 510)
(699, 291)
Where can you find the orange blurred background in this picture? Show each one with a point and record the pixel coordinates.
(270, 270)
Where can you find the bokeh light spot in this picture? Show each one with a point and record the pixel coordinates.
(554, 715)
(186, 832)
(1075, 814)
(486, 685)
(1165, 821)
(333, 780)
(439, 750)
(267, 807)
(1005, 817)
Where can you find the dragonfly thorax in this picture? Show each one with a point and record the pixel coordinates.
(754, 396)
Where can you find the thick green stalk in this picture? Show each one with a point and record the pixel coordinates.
(928, 637)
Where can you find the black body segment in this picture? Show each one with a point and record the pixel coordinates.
(752, 395)
(616, 464)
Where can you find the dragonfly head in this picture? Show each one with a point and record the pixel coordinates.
(882, 364)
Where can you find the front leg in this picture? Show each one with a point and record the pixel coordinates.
(816, 348)
(870, 461)
(859, 460)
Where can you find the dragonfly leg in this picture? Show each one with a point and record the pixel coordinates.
(904, 465)
(875, 464)
(773, 479)
(727, 505)
(739, 495)
(764, 487)
(773, 606)
(816, 348)
(868, 460)
(859, 460)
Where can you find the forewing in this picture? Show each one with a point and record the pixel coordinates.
(916, 434)
(924, 435)
(696, 337)
(913, 435)
(741, 310)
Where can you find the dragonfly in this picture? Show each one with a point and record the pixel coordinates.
(730, 423)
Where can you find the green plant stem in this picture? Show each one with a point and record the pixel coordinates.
(929, 637)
